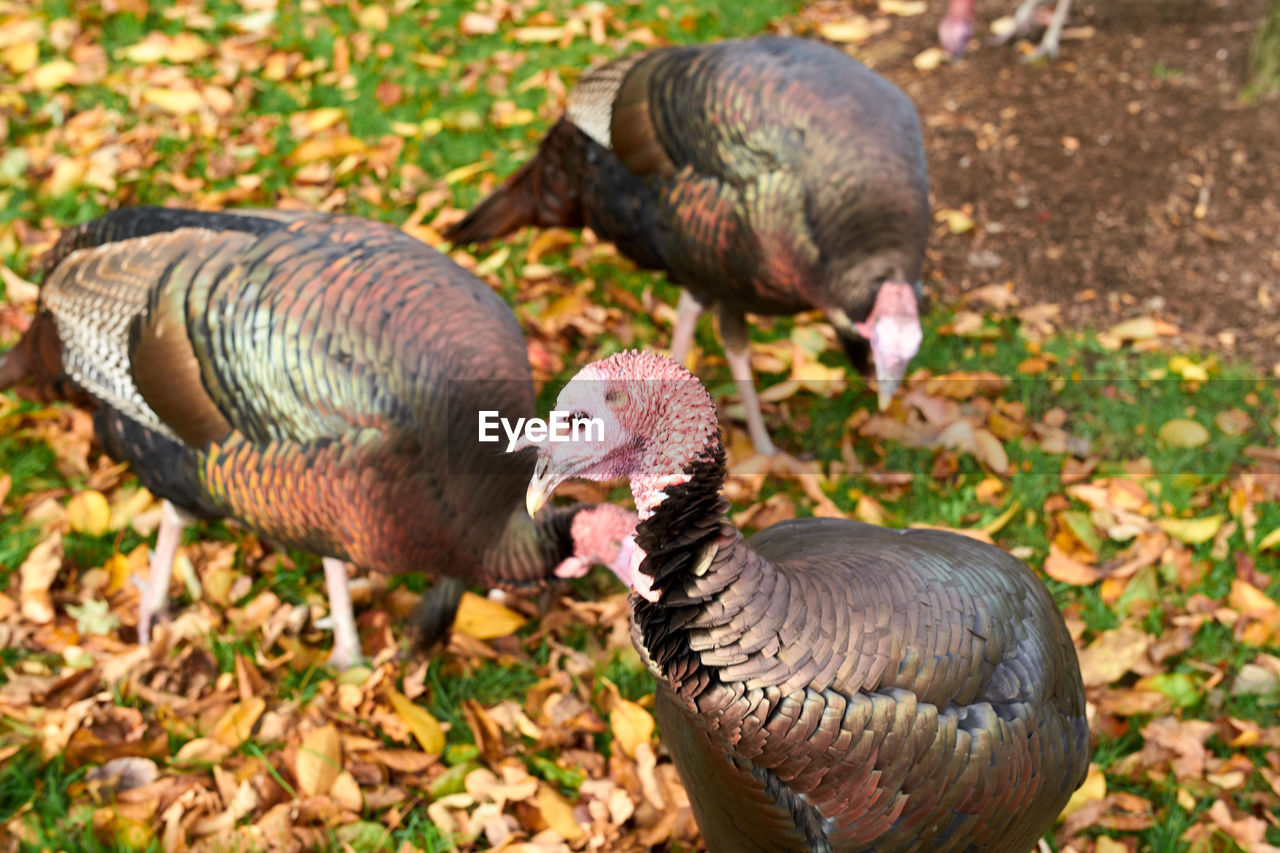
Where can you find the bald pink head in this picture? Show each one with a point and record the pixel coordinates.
(656, 420)
(893, 329)
(956, 27)
(603, 534)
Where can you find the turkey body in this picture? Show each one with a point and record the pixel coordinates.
(829, 685)
(867, 689)
(770, 175)
(317, 378)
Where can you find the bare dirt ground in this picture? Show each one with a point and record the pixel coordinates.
(1130, 177)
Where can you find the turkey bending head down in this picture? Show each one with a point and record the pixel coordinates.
(317, 378)
(826, 685)
(770, 175)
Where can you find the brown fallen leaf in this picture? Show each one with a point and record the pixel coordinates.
(319, 760)
(37, 572)
(1112, 654)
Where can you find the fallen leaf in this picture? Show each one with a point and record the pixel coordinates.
(1063, 568)
(484, 618)
(631, 725)
(37, 573)
(319, 760)
(558, 813)
(235, 726)
(1192, 531)
(88, 512)
(1112, 654)
(424, 726)
(1094, 787)
(1181, 432)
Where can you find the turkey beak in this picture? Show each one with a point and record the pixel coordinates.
(887, 381)
(546, 477)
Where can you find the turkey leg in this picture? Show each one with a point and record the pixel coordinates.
(346, 641)
(1049, 44)
(155, 589)
(733, 333)
(688, 310)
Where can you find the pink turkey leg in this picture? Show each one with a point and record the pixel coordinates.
(155, 590)
(688, 310)
(733, 331)
(346, 640)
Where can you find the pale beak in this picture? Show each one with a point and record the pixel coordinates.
(546, 478)
(888, 378)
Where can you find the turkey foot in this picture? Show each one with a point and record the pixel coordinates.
(1022, 25)
(346, 640)
(155, 589)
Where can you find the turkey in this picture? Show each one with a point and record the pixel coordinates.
(957, 27)
(827, 685)
(319, 379)
(771, 175)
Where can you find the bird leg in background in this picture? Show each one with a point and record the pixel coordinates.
(1049, 44)
(688, 310)
(155, 590)
(733, 332)
(346, 641)
(1022, 24)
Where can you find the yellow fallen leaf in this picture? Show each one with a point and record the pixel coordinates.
(346, 792)
(311, 122)
(88, 512)
(527, 35)
(202, 750)
(1248, 600)
(178, 102)
(373, 17)
(856, 29)
(424, 726)
(319, 760)
(1112, 654)
(958, 222)
(631, 725)
(236, 725)
(1193, 531)
(53, 75)
(558, 813)
(1271, 540)
(929, 58)
(463, 172)
(22, 57)
(1107, 844)
(324, 149)
(1181, 432)
(995, 525)
(484, 618)
(1094, 788)
(903, 8)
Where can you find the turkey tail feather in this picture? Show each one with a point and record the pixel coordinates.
(38, 357)
(539, 193)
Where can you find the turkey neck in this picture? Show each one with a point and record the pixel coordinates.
(687, 541)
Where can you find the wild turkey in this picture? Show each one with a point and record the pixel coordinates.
(957, 27)
(317, 378)
(771, 175)
(827, 685)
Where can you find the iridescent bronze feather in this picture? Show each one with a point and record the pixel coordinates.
(317, 378)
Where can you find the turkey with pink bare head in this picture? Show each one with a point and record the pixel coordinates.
(826, 685)
(766, 176)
